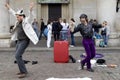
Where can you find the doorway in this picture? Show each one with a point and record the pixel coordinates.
(54, 11)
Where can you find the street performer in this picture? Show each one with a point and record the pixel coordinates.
(23, 33)
(86, 30)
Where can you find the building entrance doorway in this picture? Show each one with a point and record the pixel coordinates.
(54, 11)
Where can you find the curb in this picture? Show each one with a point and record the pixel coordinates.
(43, 49)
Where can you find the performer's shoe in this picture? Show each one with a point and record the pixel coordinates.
(23, 75)
(90, 70)
(19, 73)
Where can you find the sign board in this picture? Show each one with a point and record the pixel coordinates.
(53, 1)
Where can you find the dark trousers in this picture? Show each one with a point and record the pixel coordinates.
(56, 36)
(20, 48)
(42, 32)
(90, 51)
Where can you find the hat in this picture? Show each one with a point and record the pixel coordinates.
(101, 61)
(83, 16)
(20, 12)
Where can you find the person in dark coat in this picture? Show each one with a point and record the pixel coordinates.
(57, 27)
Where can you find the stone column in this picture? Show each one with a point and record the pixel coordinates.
(4, 25)
(65, 11)
(106, 11)
(44, 13)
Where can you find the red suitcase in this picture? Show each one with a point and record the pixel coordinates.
(61, 51)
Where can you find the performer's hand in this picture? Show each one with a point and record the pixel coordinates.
(31, 6)
(7, 6)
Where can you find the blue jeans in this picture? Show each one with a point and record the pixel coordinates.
(20, 49)
(105, 39)
(37, 32)
(64, 35)
(97, 35)
(42, 32)
(72, 39)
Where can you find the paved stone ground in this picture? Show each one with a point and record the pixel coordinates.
(46, 68)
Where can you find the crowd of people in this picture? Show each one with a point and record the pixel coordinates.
(62, 30)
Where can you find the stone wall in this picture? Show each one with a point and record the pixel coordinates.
(4, 25)
(87, 6)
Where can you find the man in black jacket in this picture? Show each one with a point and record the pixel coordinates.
(42, 28)
(56, 29)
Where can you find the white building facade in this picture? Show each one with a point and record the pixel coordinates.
(102, 10)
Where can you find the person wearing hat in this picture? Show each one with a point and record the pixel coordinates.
(23, 33)
(86, 31)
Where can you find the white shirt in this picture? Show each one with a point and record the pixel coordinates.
(65, 26)
(49, 26)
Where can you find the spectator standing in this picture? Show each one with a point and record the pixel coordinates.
(57, 27)
(64, 32)
(96, 29)
(42, 27)
(55, 30)
(71, 27)
(49, 34)
(35, 26)
(105, 32)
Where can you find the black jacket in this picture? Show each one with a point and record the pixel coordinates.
(96, 27)
(56, 27)
(85, 30)
(42, 26)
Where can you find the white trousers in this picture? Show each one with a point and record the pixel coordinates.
(49, 39)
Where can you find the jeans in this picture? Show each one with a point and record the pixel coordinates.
(64, 35)
(97, 35)
(72, 39)
(42, 32)
(37, 32)
(20, 49)
(90, 52)
(105, 39)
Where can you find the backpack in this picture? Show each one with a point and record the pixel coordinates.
(45, 31)
(102, 44)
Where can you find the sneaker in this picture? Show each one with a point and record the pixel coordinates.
(90, 70)
(72, 46)
(105, 45)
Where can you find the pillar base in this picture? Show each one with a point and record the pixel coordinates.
(5, 40)
(114, 40)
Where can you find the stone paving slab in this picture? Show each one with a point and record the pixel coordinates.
(46, 68)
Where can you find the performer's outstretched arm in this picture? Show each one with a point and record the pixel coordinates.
(31, 11)
(10, 9)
